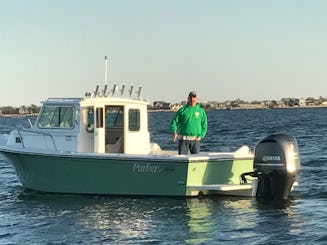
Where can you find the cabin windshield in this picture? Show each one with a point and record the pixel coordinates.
(56, 117)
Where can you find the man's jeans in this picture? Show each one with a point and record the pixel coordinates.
(184, 146)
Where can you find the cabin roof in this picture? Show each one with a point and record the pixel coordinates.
(84, 102)
(112, 101)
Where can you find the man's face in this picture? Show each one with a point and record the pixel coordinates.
(192, 100)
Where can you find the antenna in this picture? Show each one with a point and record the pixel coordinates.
(106, 70)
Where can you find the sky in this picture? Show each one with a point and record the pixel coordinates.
(222, 49)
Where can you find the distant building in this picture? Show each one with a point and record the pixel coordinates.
(166, 106)
(175, 107)
(161, 105)
(23, 110)
(158, 104)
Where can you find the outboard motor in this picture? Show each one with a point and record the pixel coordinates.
(276, 164)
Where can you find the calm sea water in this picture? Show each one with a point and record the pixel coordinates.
(29, 217)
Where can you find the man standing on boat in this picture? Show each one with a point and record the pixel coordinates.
(189, 125)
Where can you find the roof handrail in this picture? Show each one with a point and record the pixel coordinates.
(55, 99)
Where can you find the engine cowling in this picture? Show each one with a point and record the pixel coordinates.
(276, 164)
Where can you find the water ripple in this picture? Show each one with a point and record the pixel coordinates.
(30, 217)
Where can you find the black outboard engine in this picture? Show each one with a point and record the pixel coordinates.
(276, 163)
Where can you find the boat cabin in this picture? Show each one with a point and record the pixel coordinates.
(113, 125)
(94, 124)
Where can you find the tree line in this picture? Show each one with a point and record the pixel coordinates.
(6, 110)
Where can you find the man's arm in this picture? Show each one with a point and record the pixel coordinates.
(204, 124)
(173, 127)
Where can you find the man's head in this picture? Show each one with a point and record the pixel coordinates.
(192, 98)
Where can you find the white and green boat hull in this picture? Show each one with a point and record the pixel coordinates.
(117, 174)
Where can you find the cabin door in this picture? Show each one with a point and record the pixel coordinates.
(114, 129)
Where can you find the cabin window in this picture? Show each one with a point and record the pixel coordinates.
(115, 116)
(90, 120)
(134, 120)
(56, 117)
(99, 119)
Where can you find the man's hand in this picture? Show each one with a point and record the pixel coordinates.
(175, 137)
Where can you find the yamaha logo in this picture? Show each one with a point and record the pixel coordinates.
(271, 158)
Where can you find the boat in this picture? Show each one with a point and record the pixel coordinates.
(100, 144)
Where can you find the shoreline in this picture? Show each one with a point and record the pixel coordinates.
(18, 115)
(165, 110)
(250, 108)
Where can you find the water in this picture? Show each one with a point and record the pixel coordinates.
(29, 217)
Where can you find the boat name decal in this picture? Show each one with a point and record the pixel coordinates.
(146, 168)
(271, 158)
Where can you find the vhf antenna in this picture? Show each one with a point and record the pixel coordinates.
(106, 70)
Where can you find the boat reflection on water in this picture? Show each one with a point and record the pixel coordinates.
(209, 218)
(201, 220)
(121, 220)
(245, 220)
(118, 221)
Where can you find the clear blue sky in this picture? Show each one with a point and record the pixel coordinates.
(252, 50)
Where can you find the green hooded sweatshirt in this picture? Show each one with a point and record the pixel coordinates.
(190, 121)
